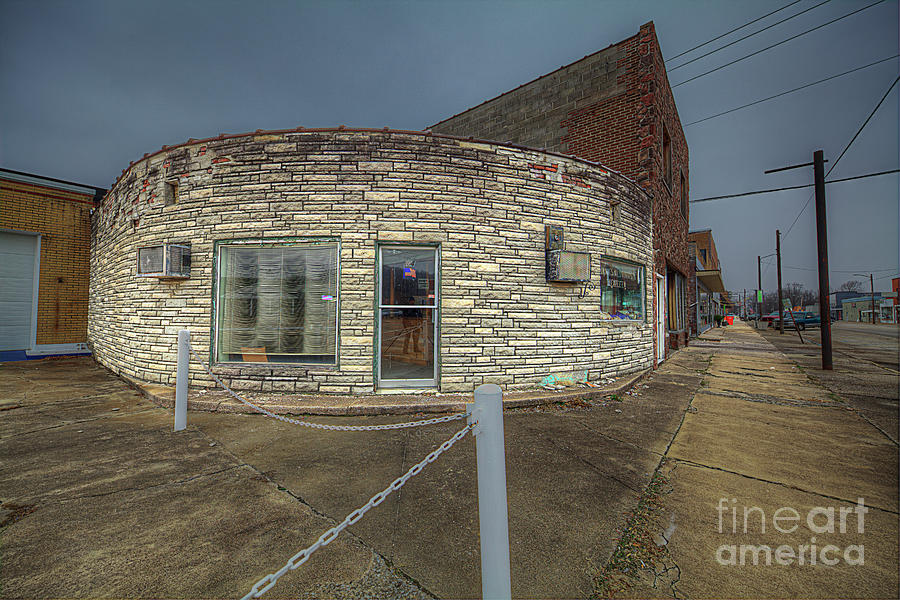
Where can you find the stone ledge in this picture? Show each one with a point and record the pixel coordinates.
(368, 405)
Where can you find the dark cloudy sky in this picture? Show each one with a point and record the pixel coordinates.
(87, 86)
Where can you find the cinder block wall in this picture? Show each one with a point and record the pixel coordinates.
(64, 220)
(485, 204)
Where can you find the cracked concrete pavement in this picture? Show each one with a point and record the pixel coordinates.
(102, 499)
(764, 434)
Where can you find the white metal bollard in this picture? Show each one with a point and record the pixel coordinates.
(492, 514)
(181, 379)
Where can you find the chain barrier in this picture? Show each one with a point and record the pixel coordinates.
(266, 583)
(269, 413)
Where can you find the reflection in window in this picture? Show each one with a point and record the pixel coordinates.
(278, 304)
(622, 290)
(677, 299)
(407, 276)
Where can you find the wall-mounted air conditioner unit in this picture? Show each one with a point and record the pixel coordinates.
(563, 265)
(167, 261)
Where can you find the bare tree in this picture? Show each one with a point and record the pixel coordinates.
(851, 286)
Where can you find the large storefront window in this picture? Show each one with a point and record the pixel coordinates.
(277, 304)
(622, 290)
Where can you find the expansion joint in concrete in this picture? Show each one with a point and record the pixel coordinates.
(781, 484)
(325, 517)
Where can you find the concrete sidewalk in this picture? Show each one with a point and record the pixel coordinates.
(764, 436)
(102, 499)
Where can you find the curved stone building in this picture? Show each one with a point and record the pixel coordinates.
(346, 261)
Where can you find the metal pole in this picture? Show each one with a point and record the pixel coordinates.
(492, 515)
(181, 379)
(759, 284)
(780, 308)
(822, 245)
(872, 291)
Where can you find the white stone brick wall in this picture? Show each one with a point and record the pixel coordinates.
(485, 204)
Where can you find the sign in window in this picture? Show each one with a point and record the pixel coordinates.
(622, 290)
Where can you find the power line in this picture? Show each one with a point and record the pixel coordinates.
(797, 89)
(718, 37)
(847, 147)
(793, 187)
(737, 60)
(863, 126)
(835, 270)
(749, 35)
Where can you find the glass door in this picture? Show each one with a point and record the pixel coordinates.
(407, 316)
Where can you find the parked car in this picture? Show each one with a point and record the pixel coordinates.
(772, 317)
(802, 319)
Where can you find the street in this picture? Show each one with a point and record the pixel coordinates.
(638, 495)
(875, 343)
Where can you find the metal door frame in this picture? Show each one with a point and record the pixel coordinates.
(660, 324)
(379, 307)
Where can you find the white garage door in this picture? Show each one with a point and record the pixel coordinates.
(17, 275)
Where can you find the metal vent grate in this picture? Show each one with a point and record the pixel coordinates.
(563, 265)
(150, 260)
(166, 261)
(179, 261)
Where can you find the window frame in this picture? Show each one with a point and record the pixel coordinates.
(643, 272)
(377, 307)
(684, 196)
(293, 241)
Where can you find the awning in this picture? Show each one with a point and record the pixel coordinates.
(711, 280)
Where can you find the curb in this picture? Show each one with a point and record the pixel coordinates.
(164, 396)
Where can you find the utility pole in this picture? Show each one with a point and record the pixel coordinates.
(818, 165)
(778, 258)
(872, 291)
(822, 245)
(759, 287)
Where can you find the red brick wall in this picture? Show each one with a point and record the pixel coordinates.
(625, 132)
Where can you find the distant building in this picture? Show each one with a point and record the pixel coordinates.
(45, 244)
(891, 310)
(707, 294)
(614, 107)
(859, 309)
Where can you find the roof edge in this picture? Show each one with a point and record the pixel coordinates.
(51, 182)
(566, 66)
(342, 129)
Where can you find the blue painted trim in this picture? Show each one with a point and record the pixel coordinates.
(18, 355)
